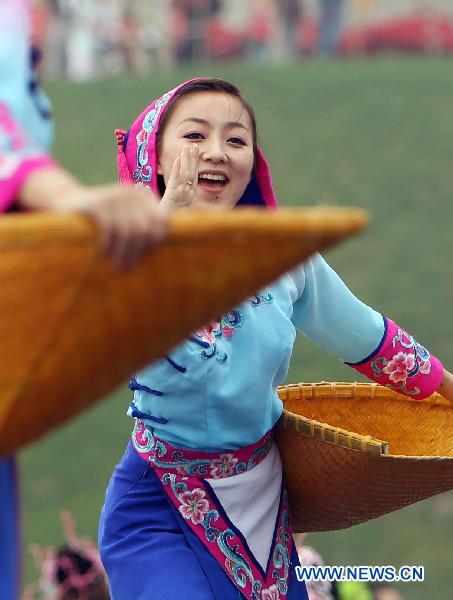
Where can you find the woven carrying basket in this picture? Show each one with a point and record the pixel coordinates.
(352, 452)
(72, 328)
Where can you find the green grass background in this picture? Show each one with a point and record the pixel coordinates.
(376, 134)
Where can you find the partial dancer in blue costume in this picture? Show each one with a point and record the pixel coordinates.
(197, 507)
(20, 157)
(31, 180)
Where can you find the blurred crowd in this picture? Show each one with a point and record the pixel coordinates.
(85, 39)
(75, 571)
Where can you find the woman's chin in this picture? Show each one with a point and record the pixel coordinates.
(212, 202)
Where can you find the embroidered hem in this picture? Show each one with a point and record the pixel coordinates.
(183, 475)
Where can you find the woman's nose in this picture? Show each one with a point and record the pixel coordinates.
(213, 151)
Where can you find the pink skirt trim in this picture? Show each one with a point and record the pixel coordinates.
(184, 473)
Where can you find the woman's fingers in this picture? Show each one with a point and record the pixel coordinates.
(155, 220)
(120, 239)
(194, 160)
(183, 179)
(175, 175)
(138, 226)
(129, 219)
(142, 233)
(186, 168)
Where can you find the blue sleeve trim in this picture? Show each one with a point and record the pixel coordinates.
(138, 414)
(135, 386)
(175, 365)
(373, 354)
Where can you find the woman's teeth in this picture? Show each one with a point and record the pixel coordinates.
(220, 178)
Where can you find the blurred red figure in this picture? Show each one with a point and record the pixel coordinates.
(192, 17)
(261, 29)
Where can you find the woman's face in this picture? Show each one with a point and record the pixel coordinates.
(221, 127)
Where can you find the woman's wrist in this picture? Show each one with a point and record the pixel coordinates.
(169, 202)
(446, 386)
(166, 203)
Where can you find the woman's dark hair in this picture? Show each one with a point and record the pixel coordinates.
(207, 85)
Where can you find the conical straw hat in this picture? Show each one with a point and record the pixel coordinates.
(72, 328)
(352, 452)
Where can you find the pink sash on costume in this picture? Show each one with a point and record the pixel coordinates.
(183, 474)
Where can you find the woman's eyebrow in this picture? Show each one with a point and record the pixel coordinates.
(228, 125)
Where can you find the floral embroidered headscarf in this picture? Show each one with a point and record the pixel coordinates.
(137, 155)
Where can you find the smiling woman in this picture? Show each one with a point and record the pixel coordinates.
(198, 506)
(206, 149)
(207, 141)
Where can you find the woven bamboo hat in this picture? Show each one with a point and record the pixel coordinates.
(72, 328)
(352, 452)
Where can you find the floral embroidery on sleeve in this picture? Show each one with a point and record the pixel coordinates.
(402, 364)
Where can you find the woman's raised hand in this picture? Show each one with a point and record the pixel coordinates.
(183, 181)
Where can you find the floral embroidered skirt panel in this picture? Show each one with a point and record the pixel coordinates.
(165, 533)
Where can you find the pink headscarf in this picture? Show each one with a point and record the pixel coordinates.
(137, 155)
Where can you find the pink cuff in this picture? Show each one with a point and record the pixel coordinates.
(402, 364)
(12, 176)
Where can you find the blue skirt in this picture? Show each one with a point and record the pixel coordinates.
(148, 550)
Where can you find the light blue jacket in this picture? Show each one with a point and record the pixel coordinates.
(217, 390)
